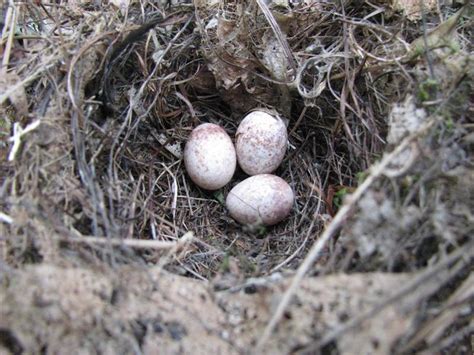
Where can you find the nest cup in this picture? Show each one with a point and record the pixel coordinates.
(158, 95)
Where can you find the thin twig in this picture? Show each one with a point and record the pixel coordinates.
(12, 14)
(134, 243)
(459, 257)
(333, 227)
(279, 35)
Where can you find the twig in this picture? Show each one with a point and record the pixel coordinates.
(134, 243)
(333, 227)
(18, 133)
(11, 18)
(434, 328)
(457, 257)
(279, 35)
(453, 339)
(5, 218)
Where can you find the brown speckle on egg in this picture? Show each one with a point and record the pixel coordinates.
(261, 142)
(261, 199)
(209, 156)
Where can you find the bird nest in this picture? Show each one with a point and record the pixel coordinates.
(98, 103)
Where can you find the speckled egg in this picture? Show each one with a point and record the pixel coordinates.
(261, 199)
(261, 142)
(209, 156)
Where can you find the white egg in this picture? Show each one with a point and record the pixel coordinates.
(261, 199)
(261, 142)
(209, 156)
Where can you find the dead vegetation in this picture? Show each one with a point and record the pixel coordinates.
(107, 246)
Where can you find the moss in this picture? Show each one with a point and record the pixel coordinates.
(428, 90)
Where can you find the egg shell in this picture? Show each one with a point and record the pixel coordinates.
(261, 141)
(261, 199)
(209, 156)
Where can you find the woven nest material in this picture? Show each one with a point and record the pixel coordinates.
(97, 104)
